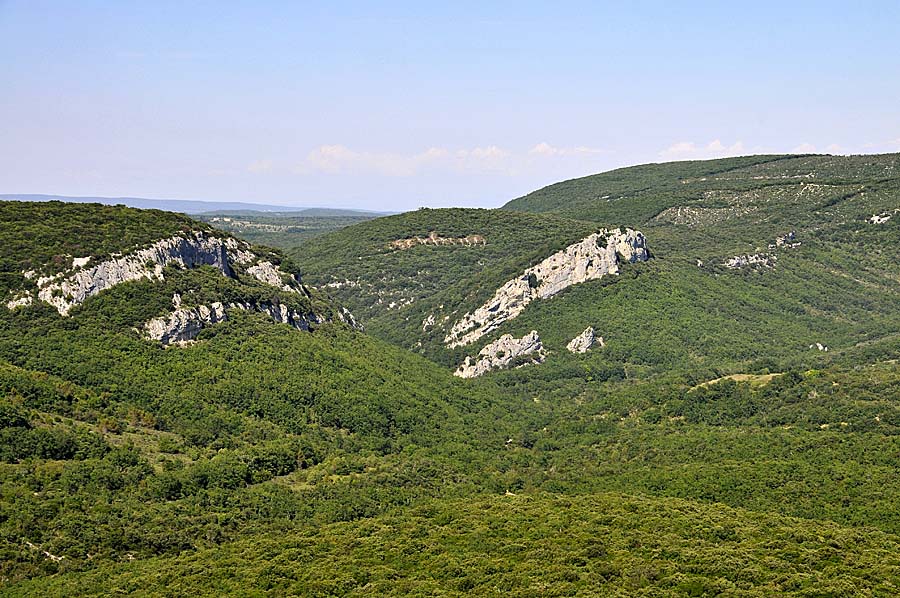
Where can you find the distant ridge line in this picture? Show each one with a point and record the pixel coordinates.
(189, 206)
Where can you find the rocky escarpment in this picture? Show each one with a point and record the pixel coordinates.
(504, 352)
(70, 288)
(270, 274)
(585, 341)
(182, 325)
(185, 323)
(593, 257)
(434, 239)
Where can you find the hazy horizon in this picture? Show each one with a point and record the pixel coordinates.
(398, 106)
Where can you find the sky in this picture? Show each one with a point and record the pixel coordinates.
(396, 105)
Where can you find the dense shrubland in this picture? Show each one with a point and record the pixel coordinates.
(265, 460)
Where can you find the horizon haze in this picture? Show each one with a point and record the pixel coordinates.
(401, 105)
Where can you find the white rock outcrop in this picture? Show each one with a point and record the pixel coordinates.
(435, 239)
(764, 260)
(881, 217)
(283, 315)
(347, 318)
(786, 241)
(19, 302)
(268, 273)
(593, 257)
(184, 324)
(68, 289)
(584, 341)
(502, 353)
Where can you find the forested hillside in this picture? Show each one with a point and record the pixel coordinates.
(735, 432)
(754, 260)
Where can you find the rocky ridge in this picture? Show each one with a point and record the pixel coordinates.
(502, 353)
(593, 257)
(182, 325)
(70, 288)
(434, 239)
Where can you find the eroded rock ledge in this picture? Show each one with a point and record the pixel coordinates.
(504, 352)
(68, 289)
(434, 239)
(182, 325)
(593, 257)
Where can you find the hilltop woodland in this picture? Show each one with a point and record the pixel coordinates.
(708, 448)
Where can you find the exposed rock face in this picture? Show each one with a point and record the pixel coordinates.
(64, 291)
(268, 273)
(593, 257)
(348, 319)
(881, 217)
(584, 341)
(434, 239)
(19, 302)
(764, 260)
(502, 353)
(283, 315)
(68, 289)
(184, 324)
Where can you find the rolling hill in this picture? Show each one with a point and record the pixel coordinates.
(182, 411)
(754, 260)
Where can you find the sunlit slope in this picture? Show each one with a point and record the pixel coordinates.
(753, 260)
(606, 544)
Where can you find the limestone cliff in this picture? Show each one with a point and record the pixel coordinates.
(70, 288)
(183, 324)
(502, 353)
(593, 257)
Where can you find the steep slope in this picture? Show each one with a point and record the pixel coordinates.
(108, 431)
(753, 261)
(263, 459)
(64, 281)
(419, 279)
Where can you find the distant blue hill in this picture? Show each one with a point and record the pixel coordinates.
(192, 206)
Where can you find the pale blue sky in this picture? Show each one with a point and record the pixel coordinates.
(390, 106)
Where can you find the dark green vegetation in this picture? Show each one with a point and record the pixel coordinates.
(615, 545)
(284, 229)
(262, 460)
(682, 310)
(47, 235)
